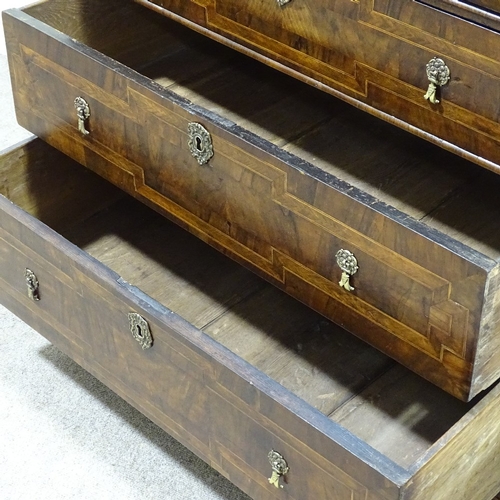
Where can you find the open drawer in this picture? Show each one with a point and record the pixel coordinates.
(370, 226)
(380, 55)
(246, 370)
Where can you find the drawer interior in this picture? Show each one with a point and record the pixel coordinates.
(342, 377)
(396, 169)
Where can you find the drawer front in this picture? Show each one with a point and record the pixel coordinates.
(207, 398)
(375, 52)
(411, 296)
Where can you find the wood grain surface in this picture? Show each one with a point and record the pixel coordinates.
(373, 54)
(289, 184)
(260, 371)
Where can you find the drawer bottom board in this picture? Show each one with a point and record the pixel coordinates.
(324, 365)
(401, 417)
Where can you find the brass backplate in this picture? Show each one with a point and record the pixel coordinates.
(140, 330)
(32, 284)
(200, 143)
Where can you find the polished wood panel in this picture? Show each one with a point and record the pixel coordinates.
(373, 53)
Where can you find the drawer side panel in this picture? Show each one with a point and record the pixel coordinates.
(476, 440)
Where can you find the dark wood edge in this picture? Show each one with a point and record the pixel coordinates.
(486, 19)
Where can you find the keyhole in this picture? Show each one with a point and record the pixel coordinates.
(139, 332)
(198, 143)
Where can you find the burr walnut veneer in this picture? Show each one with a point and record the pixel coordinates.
(246, 370)
(373, 54)
(291, 177)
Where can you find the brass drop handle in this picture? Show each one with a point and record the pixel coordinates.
(348, 265)
(82, 114)
(200, 143)
(32, 284)
(438, 74)
(140, 330)
(279, 467)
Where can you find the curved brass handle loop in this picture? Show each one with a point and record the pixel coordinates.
(438, 74)
(279, 467)
(82, 114)
(349, 266)
(140, 330)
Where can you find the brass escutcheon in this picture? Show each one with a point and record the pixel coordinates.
(279, 467)
(140, 330)
(438, 74)
(349, 266)
(200, 143)
(32, 284)
(82, 114)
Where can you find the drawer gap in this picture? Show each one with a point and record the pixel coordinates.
(165, 263)
(467, 214)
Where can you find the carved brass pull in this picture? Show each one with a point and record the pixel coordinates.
(200, 143)
(283, 2)
(349, 266)
(82, 114)
(32, 284)
(140, 330)
(438, 74)
(279, 466)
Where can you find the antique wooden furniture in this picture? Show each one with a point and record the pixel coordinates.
(247, 374)
(394, 239)
(374, 54)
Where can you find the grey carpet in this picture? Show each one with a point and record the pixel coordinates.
(63, 435)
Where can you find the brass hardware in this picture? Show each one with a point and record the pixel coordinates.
(438, 74)
(279, 466)
(82, 113)
(140, 330)
(349, 266)
(200, 143)
(32, 284)
(283, 2)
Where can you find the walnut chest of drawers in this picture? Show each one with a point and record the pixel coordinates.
(225, 362)
(285, 179)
